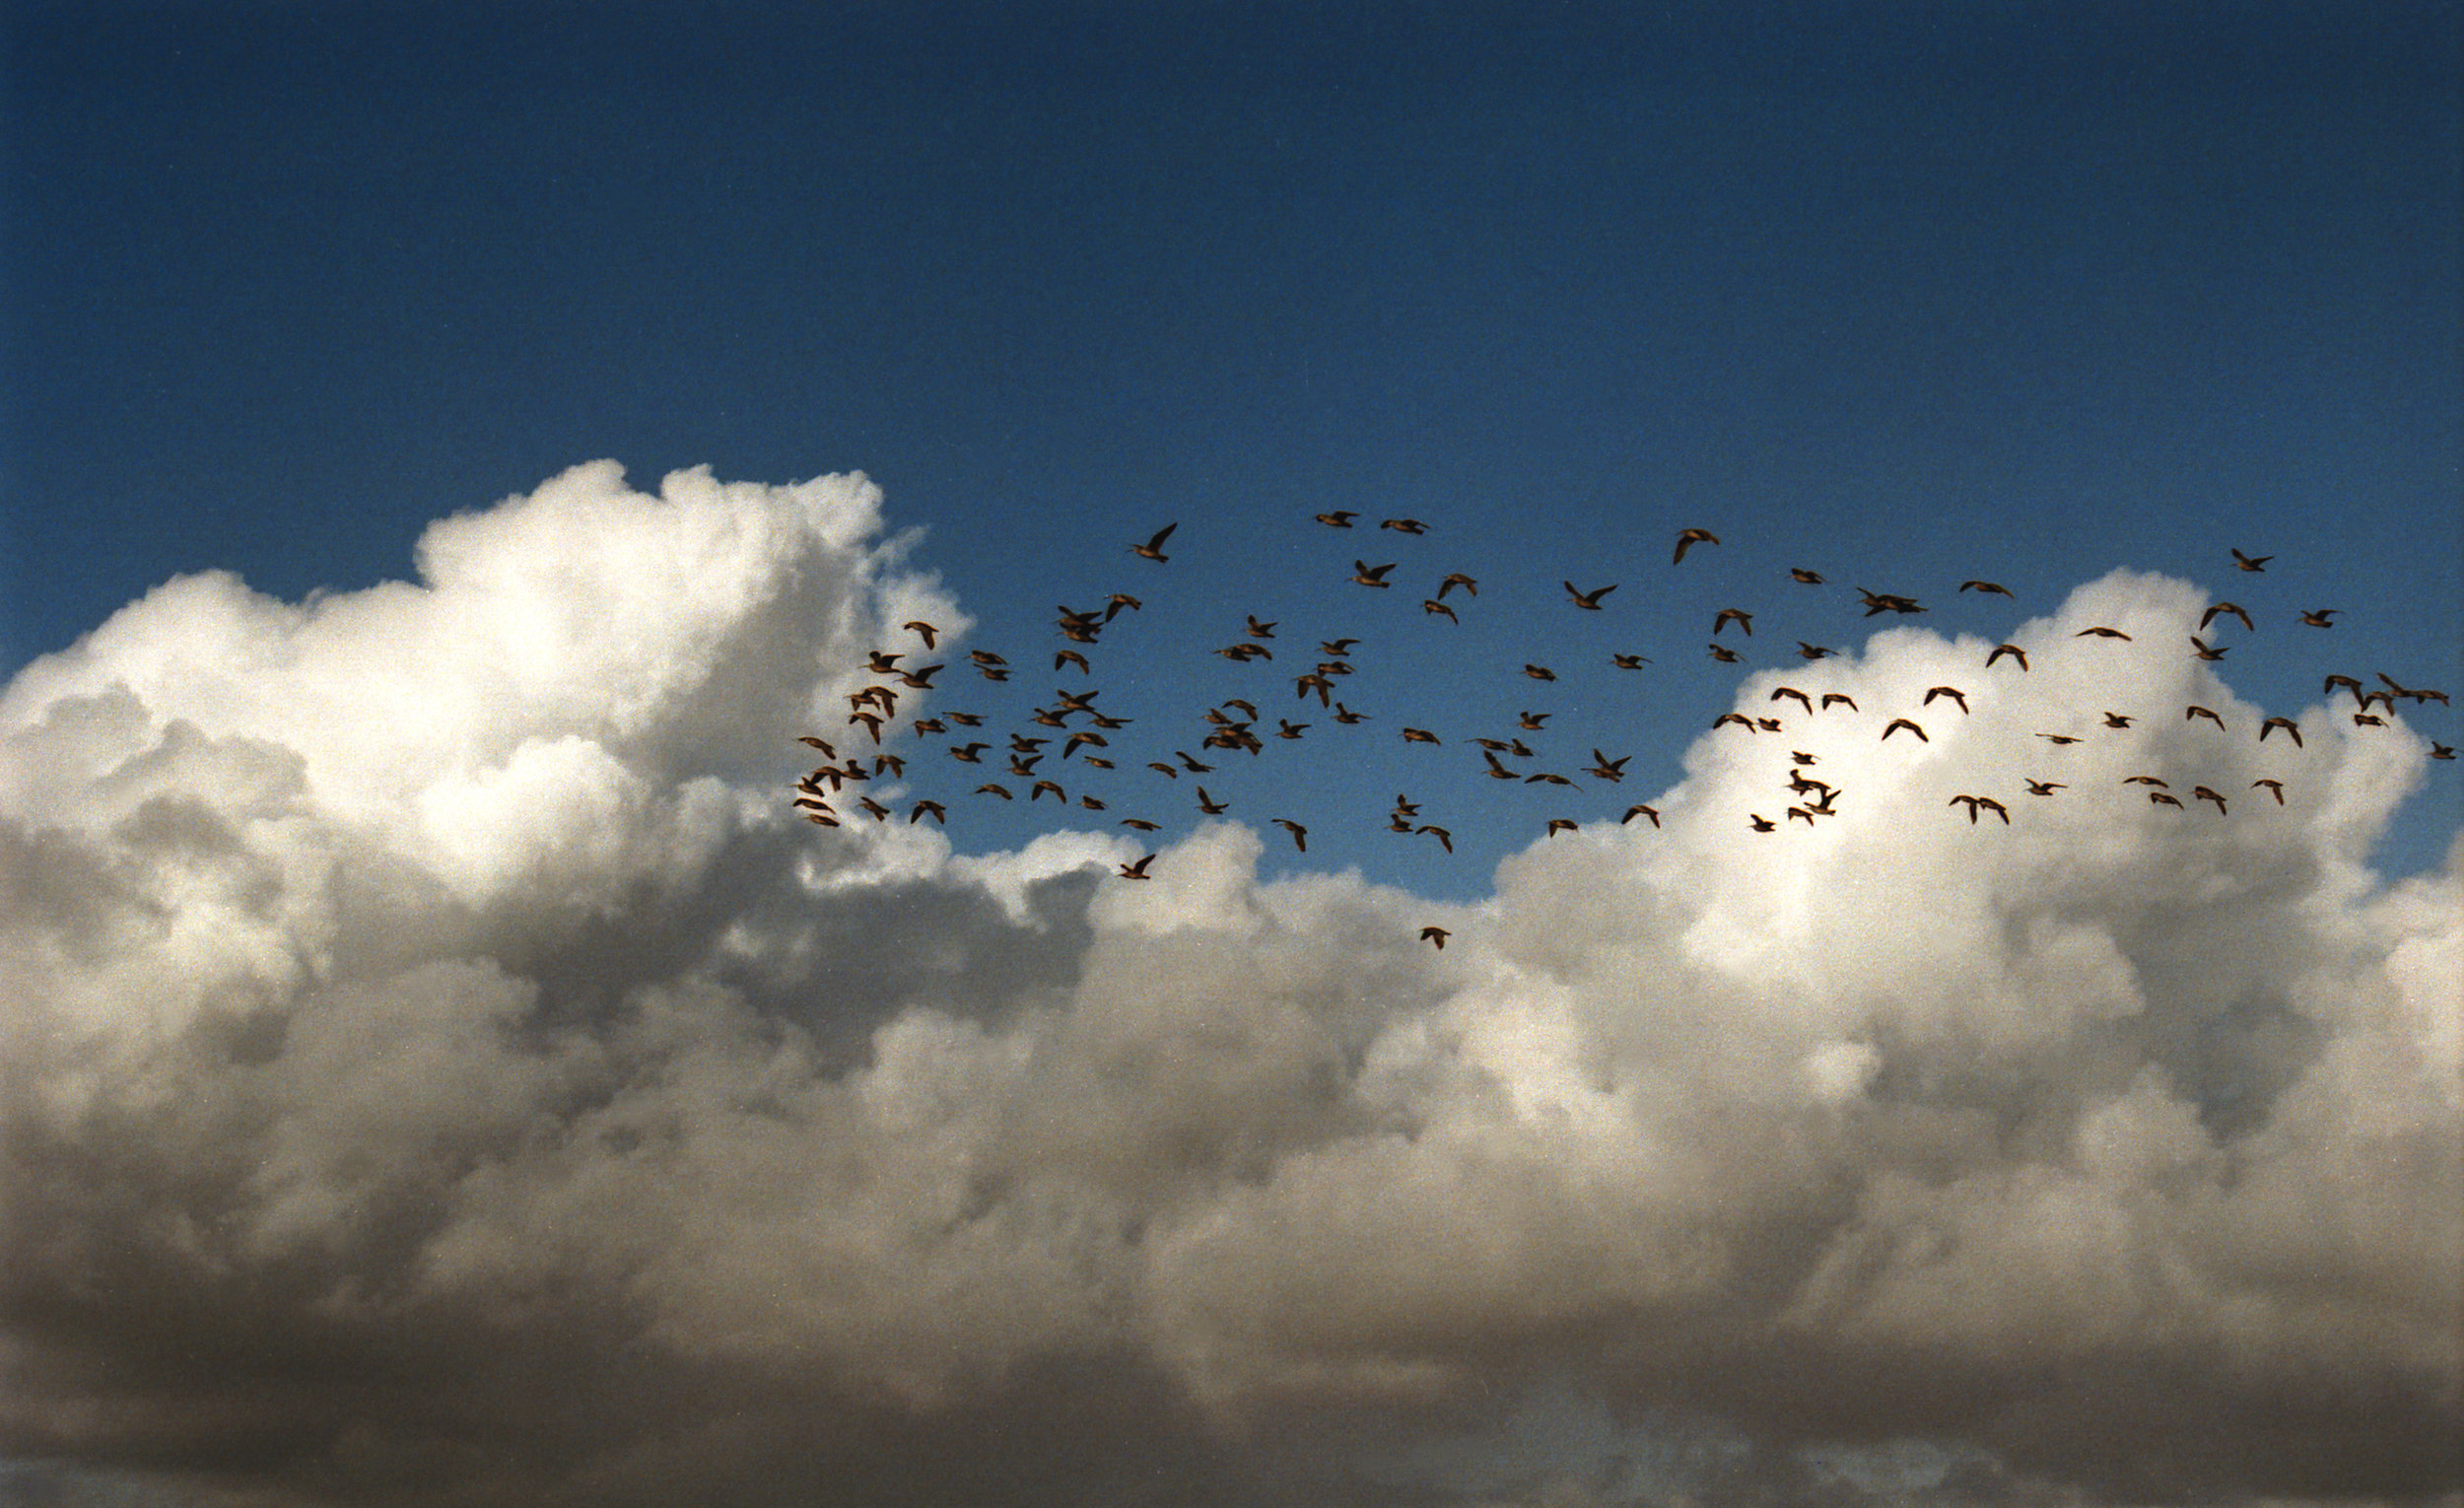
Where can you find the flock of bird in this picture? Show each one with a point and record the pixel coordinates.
(1071, 736)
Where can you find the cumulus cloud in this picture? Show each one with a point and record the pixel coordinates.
(442, 1072)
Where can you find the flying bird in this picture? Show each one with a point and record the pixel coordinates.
(2206, 650)
(2208, 712)
(1153, 548)
(1953, 692)
(1737, 615)
(2043, 788)
(1138, 870)
(1994, 588)
(922, 630)
(2317, 617)
(1341, 518)
(1371, 576)
(2274, 789)
(1435, 935)
(2010, 649)
(1973, 802)
(2203, 793)
(1842, 698)
(1405, 525)
(2250, 563)
(2099, 631)
(1803, 576)
(1640, 810)
(1807, 651)
(1628, 661)
(1687, 539)
(1435, 608)
(2292, 728)
(2221, 609)
(1589, 599)
(1804, 701)
(1300, 834)
(1896, 723)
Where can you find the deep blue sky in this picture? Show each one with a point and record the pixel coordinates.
(1908, 292)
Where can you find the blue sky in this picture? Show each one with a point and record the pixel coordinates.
(1906, 294)
(2078, 298)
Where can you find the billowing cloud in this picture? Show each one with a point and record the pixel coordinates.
(442, 1071)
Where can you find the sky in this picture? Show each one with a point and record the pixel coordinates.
(453, 454)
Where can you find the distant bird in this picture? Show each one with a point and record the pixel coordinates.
(1453, 579)
(1531, 722)
(1724, 654)
(1035, 792)
(2208, 712)
(1687, 539)
(940, 812)
(1257, 630)
(1209, 805)
(1435, 608)
(1405, 525)
(2250, 563)
(1435, 935)
(1339, 648)
(2145, 779)
(2010, 649)
(1841, 697)
(1119, 602)
(1973, 802)
(2099, 631)
(1371, 576)
(1607, 768)
(2206, 650)
(1300, 834)
(2317, 617)
(2203, 793)
(810, 740)
(1803, 700)
(1589, 599)
(1340, 518)
(1896, 723)
(2116, 719)
(970, 753)
(1628, 661)
(1347, 717)
(1444, 838)
(1062, 658)
(2043, 788)
(2057, 738)
(1090, 804)
(1741, 721)
(1419, 735)
(1558, 825)
(1807, 651)
(1640, 810)
(2223, 609)
(2274, 789)
(2287, 724)
(1803, 576)
(922, 630)
(1540, 672)
(2441, 750)
(2160, 798)
(1761, 823)
(2346, 681)
(2368, 720)
(1737, 615)
(1994, 588)
(1153, 548)
(1953, 692)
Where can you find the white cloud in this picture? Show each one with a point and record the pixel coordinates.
(426, 982)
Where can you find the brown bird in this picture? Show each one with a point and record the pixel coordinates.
(1435, 608)
(1090, 804)
(1257, 630)
(1040, 786)
(2099, 631)
(1444, 838)
(1531, 722)
(2208, 712)
(1628, 661)
(2116, 719)
(1062, 658)
(2145, 779)
(1341, 518)
(1761, 823)
(2368, 720)
(1540, 672)
(1119, 602)
(1138, 870)
(1153, 548)
(2441, 750)
(1724, 654)
(924, 630)
(940, 812)
(1973, 802)
(989, 788)
(1807, 651)
(1300, 834)
(2274, 789)
(1589, 599)
(1405, 525)
(1953, 692)
(1558, 825)
(1640, 810)
(2206, 650)
(2250, 563)
(1419, 735)
(1842, 698)
(1209, 805)
(1687, 539)
(1896, 723)
(1741, 721)
(1803, 700)
(1806, 578)
(1737, 615)
(1435, 935)
(2287, 724)
(2160, 798)
(1994, 588)
(2203, 793)
(873, 808)
(1452, 580)
(1603, 768)
(2221, 609)
(2317, 617)
(809, 739)
(2057, 738)
(2012, 649)
(2043, 788)
(1371, 576)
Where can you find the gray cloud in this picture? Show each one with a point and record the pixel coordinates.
(443, 1075)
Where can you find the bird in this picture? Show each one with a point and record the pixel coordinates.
(1339, 648)
(1994, 588)
(1810, 651)
(1840, 697)
(1435, 935)
(1436, 609)
(1737, 615)
(2146, 779)
(1761, 823)
(2057, 738)
(1257, 630)
(2274, 789)
(1724, 654)
(2250, 563)
(1138, 870)
(1119, 602)
(1405, 525)
(2116, 719)
(1589, 599)
(1953, 692)
(1300, 834)
(1445, 839)
(1802, 575)
(1640, 810)
(1419, 735)
(1607, 768)
(2160, 798)
(2203, 793)
(1687, 539)
(2317, 617)
(1037, 790)
(2010, 649)
(1062, 658)
(1558, 825)
(2220, 610)
(1340, 518)
(2441, 750)
(1540, 672)
(1973, 802)
(940, 812)
(2042, 787)
(2208, 712)
(1628, 661)
(827, 751)
(1804, 701)
(1153, 548)
(1209, 805)
(1896, 723)
(2291, 728)
(2206, 650)
(922, 630)
(1371, 576)
(993, 789)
